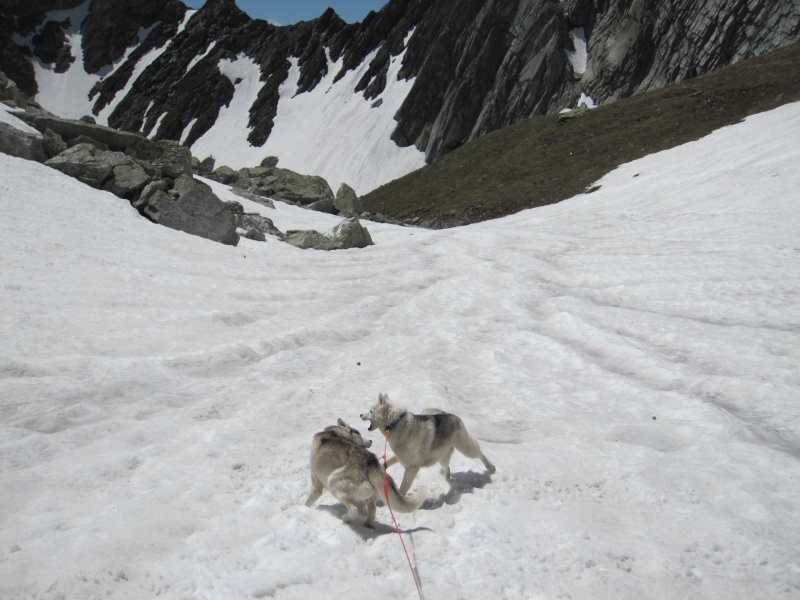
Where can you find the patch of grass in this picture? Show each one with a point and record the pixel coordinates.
(546, 159)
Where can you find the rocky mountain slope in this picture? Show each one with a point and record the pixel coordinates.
(549, 158)
(409, 84)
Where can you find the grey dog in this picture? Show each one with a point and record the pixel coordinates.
(422, 440)
(341, 464)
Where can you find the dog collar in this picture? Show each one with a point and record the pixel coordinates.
(394, 423)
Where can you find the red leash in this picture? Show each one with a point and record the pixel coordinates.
(391, 512)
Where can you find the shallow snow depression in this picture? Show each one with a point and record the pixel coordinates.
(628, 359)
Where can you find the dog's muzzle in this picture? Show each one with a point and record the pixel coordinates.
(372, 425)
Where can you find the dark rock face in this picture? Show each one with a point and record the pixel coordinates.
(107, 32)
(640, 45)
(52, 47)
(509, 58)
(21, 17)
(477, 66)
(113, 26)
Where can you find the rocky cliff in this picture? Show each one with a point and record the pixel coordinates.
(476, 65)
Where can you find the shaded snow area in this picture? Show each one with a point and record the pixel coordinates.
(628, 359)
(331, 130)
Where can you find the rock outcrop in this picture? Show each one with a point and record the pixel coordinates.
(156, 178)
(309, 191)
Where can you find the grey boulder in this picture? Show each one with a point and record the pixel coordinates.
(347, 202)
(21, 143)
(191, 207)
(350, 234)
(347, 234)
(89, 164)
(301, 189)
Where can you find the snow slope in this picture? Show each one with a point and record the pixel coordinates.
(329, 131)
(628, 359)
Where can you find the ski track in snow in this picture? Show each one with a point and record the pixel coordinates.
(628, 359)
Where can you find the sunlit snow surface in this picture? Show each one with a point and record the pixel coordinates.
(627, 358)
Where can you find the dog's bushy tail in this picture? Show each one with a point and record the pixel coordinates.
(402, 503)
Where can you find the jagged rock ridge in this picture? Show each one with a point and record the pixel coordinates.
(476, 66)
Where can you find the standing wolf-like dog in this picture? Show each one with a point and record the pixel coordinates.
(341, 464)
(422, 440)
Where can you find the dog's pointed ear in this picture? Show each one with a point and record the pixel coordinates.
(341, 423)
(382, 398)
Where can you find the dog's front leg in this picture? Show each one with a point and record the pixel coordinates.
(370, 522)
(391, 461)
(408, 478)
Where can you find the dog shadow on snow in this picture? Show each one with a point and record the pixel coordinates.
(460, 484)
(338, 510)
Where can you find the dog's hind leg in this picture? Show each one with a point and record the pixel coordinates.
(408, 478)
(445, 463)
(316, 491)
(345, 491)
(352, 509)
(469, 447)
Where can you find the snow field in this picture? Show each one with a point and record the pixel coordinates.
(627, 359)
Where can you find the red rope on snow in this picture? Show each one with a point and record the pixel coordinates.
(391, 512)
